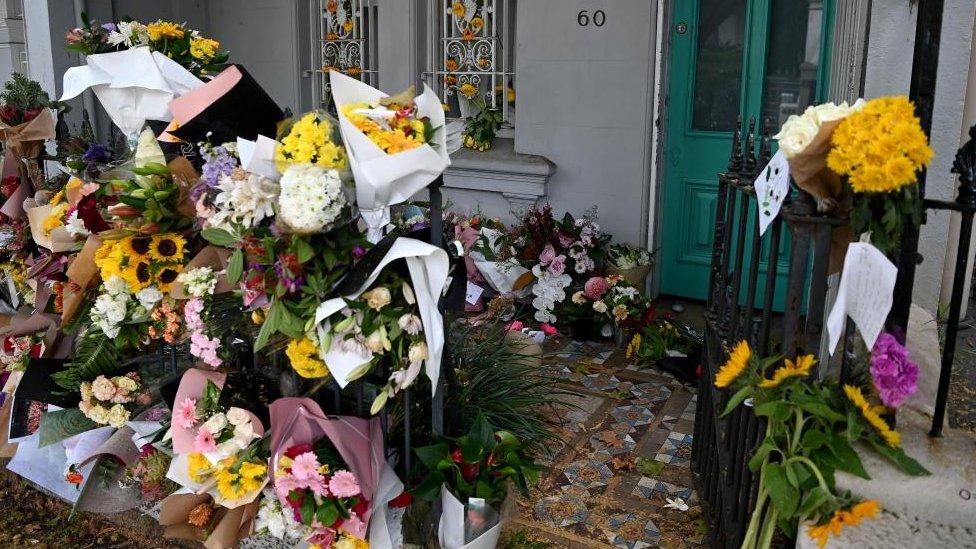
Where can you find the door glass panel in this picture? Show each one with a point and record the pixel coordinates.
(718, 70)
(792, 58)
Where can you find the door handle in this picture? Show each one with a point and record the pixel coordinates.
(681, 27)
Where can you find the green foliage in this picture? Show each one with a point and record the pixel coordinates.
(95, 355)
(23, 94)
(885, 215)
(479, 130)
(478, 464)
(505, 386)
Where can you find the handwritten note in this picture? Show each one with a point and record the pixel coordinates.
(772, 187)
(865, 294)
(474, 293)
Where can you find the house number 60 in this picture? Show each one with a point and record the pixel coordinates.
(583, 18)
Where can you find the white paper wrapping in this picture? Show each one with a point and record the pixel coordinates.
(382, 179)
(450, 530)
(258, 156)
(133, 85)
(381, 534)
(428, 266)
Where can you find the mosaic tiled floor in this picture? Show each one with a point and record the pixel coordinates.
(627, 452)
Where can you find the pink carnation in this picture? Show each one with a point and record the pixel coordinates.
(204, 442)
(515, 326)
(548, 329)
(547, 255)
(558, 265)
(595, 288)
(895, 376)
(344, 484)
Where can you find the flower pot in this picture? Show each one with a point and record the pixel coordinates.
(636, 276)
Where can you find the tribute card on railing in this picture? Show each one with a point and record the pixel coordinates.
(865, 294)
(772, 187)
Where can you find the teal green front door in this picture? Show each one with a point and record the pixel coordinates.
(728, 58)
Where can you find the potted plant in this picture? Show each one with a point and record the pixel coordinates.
(630, 263)
(472, 475)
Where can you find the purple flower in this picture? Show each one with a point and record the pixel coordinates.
(358, 252)
(97, 154)
(216, 162)
(895, 376)
(110, 27)
(291, 283)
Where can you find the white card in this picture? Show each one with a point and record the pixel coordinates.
(474, 293)
(772, 187)
(865, 294)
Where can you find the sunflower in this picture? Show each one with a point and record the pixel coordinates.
(166, 277)
(800, 369)
(738, 360)
(137, 274)
(138, 245)
(841, 518)
(167, 247)
(890, 436)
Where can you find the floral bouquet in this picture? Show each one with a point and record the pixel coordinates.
(26, 122)
(811, 430)
(321, 494)
(609, 301)
(186, 46)
(149, 473)
(328, 471)
(217, 449)
(135, 70)
(105, 400)
(396, 146)
(629, 262)
(198, 517)
(472, 475)
(378, 325)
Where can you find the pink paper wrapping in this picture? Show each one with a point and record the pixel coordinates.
(468, 238)
(359, 441)
(193, 102)
(192, 384)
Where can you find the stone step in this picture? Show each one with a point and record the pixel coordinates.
(930, 511)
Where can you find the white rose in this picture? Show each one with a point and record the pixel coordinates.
(98, 414)
(216, 423)
(244, 432)
(377, 298)
(579, 298)
(599, 306)
(238, 416)
(796, 135)
(829, 112)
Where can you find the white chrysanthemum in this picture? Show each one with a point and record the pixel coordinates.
(311, 198)
(130, 33)
(246, 202)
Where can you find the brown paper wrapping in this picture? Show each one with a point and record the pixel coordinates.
(59, 239)
(215, 257)
(27, 139)
(524, 345)
(811, 174)
(185, 177)
(226, 529)
(57, 344)
(82, 273)
(7, 449)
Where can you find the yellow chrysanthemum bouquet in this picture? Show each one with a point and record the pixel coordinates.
(862, 160)
(811, 430)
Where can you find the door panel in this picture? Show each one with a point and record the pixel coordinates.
(728, 58)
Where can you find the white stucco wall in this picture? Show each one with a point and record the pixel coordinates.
(584, 102)
(889, 68)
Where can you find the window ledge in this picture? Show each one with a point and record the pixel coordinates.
(520, 178)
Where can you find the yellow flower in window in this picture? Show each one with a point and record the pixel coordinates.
(332, 6)
(203, 48)
(790, 369)
(468, 90)
(733, 368)
(459, 10)
(347, 26)
(164, 29)
(477, 23)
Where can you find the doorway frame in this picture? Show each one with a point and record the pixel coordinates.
(659, 98)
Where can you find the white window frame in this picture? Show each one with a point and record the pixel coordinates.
(483, 56)
(347, 34)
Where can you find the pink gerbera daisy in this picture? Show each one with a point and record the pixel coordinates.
(344, 484)
(185, 414)
(305, 466)
(204, 442)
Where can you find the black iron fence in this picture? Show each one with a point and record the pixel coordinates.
(743, 304)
